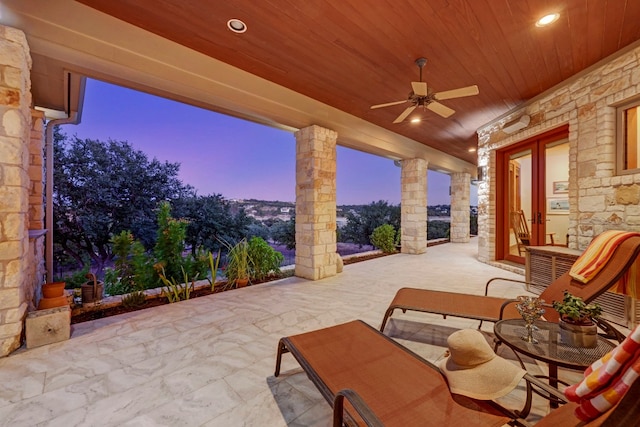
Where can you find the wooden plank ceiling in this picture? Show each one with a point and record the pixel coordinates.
(352, 54)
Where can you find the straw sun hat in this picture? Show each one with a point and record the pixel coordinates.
(473, 369)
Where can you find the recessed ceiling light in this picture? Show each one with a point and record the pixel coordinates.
(547, 19)
(472, 150)
(236, 25)
(416, 120)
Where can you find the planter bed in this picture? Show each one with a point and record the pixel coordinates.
(111, 306)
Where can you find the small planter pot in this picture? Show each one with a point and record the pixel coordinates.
(46, 303)
(241, 283)
(585, 336)
(53, 290)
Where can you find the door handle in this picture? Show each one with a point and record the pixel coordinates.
(540, 218)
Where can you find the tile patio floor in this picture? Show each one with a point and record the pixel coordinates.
(210, 361)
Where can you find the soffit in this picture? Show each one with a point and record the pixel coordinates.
(352, 54)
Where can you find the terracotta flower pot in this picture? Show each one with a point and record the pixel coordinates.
(241, 283)
(53, 290)
(46, 303)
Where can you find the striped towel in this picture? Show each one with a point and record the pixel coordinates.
(607, 379)
(595, 257)
(628, 283)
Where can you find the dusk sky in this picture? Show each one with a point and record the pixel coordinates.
(229, 156)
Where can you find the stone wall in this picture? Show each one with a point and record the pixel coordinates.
(413, 206)
(599, 199)
(316, 245)
(460, 203)
(15, 125)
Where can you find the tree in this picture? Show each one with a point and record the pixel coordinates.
(284, 232)
(210, 221)
(360, 226)
(102, 188)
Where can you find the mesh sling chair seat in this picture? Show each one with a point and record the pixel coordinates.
(492, 309)
(400, 387)
(386, 384)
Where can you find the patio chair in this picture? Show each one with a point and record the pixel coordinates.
(386, 384)
(521, 230)
(492, 309)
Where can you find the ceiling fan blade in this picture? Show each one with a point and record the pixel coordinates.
(457, 93)
(440, 109)
(404, 114)
(388, 104)
(419, 88)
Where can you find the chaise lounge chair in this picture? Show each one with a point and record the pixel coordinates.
(492, 309)
(385, 384)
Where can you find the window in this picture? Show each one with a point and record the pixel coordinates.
(628, 137)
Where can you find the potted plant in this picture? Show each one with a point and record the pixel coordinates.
(576, 325)
(237, 270)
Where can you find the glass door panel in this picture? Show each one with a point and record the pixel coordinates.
(556, 213)
(519, 198)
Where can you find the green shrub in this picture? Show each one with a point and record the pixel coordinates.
(112, 283)
(383, 238)
(264, 259)
(214, 262)
(170, 242)
(134, 299)
(133, 267)
(238, 261)
(122, 244)
(76, 279)
(175, 291)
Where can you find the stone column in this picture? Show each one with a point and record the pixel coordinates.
(414, 206)
(316, 256)
(36, 171)
(36, 270)
(460, 205)
(15, 127)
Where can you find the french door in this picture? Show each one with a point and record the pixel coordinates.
(533, 178)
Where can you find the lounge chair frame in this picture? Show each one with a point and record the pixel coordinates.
(492, 309)
(310, 350)
(396, 355)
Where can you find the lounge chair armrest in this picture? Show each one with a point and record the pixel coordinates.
(358, 404)
(504, 305)
(552, 392)
(608, 330)
(504, 279)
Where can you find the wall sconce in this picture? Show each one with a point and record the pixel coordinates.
(518, 124)
(482, 174)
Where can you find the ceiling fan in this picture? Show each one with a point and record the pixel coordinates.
(420, 96)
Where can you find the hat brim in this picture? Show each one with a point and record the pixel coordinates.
(487, 381)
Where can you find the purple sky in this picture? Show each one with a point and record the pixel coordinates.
(229, 156)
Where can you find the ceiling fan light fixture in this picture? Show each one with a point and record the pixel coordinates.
(547, 20)
(236, 25)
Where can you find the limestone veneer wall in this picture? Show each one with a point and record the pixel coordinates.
(15, 127)
(599, 199)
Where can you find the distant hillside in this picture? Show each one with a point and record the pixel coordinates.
(284, 210)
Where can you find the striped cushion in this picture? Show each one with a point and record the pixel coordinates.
(607, 379)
